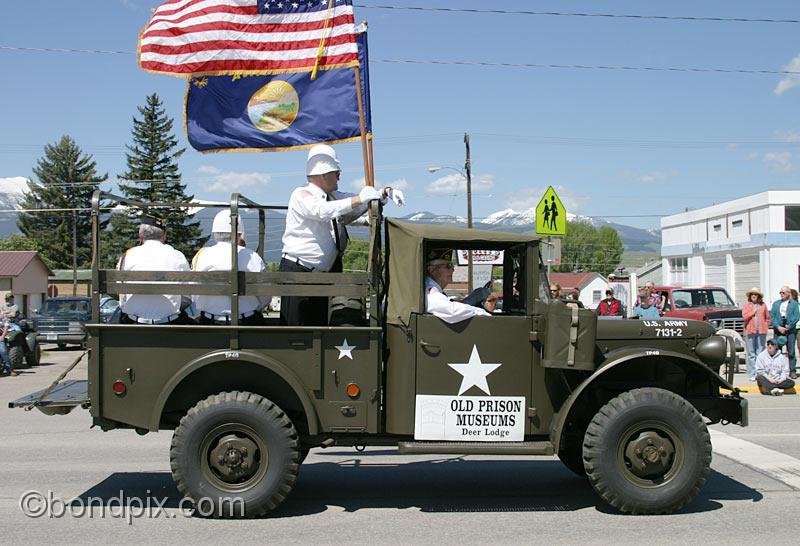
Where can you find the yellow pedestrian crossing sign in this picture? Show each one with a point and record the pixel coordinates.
(551, 216)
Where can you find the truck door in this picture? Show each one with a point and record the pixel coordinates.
(473, 379)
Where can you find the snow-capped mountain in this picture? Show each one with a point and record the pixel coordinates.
(12, 192)
(523, 222)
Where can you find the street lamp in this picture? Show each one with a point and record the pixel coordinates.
(468, 178)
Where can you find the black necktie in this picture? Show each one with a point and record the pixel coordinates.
(340, 237)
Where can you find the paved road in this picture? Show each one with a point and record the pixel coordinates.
(378, 495)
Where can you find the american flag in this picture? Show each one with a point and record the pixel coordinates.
(248, 36)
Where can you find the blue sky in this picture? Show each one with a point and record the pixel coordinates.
(616, 144)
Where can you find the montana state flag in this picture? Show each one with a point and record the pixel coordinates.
(277, 112)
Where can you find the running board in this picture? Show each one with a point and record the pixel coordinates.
(476, 448)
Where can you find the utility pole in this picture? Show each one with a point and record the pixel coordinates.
(74, 252)
(468, 171)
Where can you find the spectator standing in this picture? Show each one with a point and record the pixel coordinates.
(645, 308)
(756, 324)
(652, 298)
(784, 315)
(8, 368)
(609, 307)
(772, 369)
(555, 291)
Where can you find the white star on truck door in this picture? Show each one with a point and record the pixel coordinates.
(474, 372)
(345, 350)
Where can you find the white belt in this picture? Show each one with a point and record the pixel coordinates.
(165, 320)
(225, 318)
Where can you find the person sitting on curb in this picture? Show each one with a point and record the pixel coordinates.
(772, 369)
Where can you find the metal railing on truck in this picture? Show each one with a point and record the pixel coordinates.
(231, 283)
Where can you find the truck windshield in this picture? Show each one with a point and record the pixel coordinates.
(58, 307)
(702, 297)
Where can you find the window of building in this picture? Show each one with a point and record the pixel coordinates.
(679, 270)
(792, 218)
(717, 227)
(597, 295)
(737, 223)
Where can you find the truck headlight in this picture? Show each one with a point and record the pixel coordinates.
(716, 323)
(712, 351)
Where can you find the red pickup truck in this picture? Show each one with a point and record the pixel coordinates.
(709, 303)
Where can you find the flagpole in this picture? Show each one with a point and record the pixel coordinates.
(368, 180)
(371, 163)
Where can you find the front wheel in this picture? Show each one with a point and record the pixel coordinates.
(17, 356)
(235, 454)
(647, 451)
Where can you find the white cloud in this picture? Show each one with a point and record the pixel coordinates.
(779, 162)
(791, 80)
(455, 183)
(527, 198)
(399, 184)
(751, 156)
(230, 181)
(650, 177)
(788, 136)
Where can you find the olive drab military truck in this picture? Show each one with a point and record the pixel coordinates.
(624, 403)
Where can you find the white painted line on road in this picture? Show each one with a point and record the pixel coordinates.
(772, 463)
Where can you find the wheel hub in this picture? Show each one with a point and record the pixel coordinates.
(649, 454)
(233, 458)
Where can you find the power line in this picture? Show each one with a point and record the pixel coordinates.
(699, 70)
(483, 64)
(583, 14)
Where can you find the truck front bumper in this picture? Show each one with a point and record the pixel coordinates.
(55, 337)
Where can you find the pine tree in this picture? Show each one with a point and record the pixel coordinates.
(153, 176)
(66, 180)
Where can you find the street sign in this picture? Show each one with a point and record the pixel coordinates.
(551, 216)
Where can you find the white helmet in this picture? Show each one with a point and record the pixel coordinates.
(322, 159)
(222, 223)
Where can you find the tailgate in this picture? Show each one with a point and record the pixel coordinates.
(59, 399)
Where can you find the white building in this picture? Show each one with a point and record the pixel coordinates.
(752, 241)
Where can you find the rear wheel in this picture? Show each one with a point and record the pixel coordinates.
(235, 454)
(34, 357)
(647, 451)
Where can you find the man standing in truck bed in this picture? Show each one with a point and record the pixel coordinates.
(315, 236)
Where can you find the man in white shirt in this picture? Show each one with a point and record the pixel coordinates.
(152, 254)
(217, 257)
(315, 237)
(439, 275)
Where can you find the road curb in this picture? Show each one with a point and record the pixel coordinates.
(754, 389)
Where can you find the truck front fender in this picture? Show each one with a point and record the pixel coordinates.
(617, 361)
(242, 356)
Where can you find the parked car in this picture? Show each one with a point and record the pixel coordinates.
(109, 310)
(62, 320)
(712, 304)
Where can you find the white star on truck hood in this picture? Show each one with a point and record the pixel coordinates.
(345, 350)
(474, 372)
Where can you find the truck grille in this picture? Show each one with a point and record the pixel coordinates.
(60, 326)
(733, 324)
